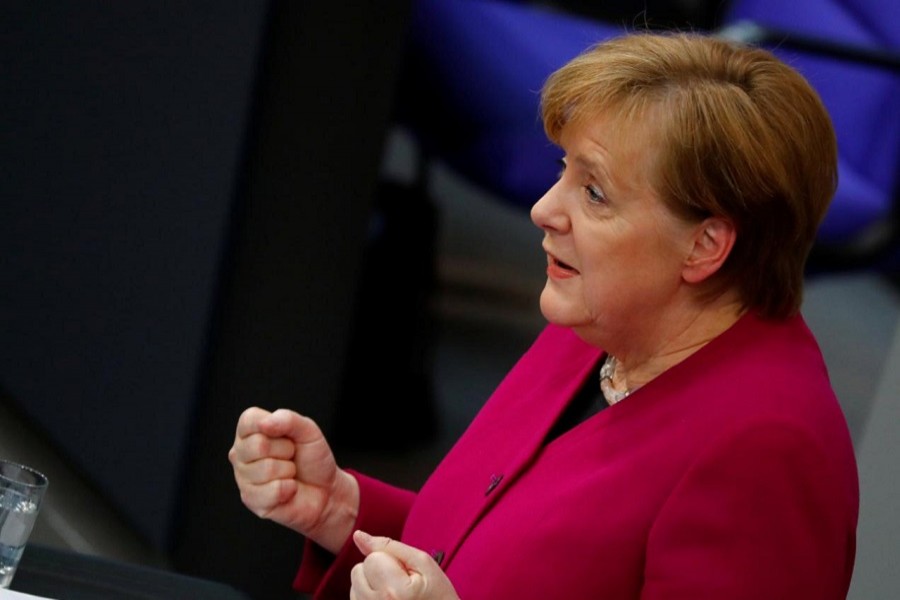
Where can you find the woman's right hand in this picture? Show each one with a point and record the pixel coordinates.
(286, 472)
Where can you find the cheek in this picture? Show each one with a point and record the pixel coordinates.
(661, 247)
(607, 287)
(630, 271)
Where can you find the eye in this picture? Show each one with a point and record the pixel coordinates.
(594, 193)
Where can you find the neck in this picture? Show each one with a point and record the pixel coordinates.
(638, 366)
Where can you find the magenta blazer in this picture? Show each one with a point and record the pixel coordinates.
(731, 475)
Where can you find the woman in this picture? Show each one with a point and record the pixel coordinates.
(695, 175)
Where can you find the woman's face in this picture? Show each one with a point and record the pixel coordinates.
(614, 252)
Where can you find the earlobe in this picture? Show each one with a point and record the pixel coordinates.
(713, 241)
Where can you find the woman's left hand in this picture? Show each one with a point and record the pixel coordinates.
(395, 571)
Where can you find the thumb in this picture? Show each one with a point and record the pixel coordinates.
(408, 556)
(292, 425)
(368, 544)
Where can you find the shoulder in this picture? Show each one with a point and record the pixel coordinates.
(763, 367)
(759, 391)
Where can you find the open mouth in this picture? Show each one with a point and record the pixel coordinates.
(562, 265)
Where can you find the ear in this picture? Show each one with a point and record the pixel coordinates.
(713, 240)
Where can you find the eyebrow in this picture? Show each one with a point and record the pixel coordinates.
(595, 166)
(587, 163)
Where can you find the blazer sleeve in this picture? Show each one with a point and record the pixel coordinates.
(382, 511)
(766, 512)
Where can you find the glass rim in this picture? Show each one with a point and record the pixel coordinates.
(41, 479)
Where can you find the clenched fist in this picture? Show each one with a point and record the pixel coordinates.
(285, 471)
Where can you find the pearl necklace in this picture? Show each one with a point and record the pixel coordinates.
(607, 371)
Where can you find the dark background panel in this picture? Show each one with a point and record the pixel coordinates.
(185, 196)
(123, 130)
(282, 332)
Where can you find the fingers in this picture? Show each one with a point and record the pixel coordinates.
(248, 422)
(265, 483)
(406, 555)
(264, 434)
(359, 585)
(392, 569)
(287, 423)
(367, 543)
(280, 423)
(380, 575)
(264, 470)
(283, 467)
(263, 499)
(259, 446)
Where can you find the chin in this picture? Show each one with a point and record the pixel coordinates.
(558, 312)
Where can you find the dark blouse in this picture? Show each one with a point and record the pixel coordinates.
(586, 403)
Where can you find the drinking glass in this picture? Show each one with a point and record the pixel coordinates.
(21, 491)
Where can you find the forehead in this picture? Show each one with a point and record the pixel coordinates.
(619, 144)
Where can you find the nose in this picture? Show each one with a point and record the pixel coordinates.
(546, 213)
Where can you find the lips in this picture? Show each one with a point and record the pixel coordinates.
(559, 269)
(562, 265)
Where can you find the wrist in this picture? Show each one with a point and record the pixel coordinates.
(340, 519)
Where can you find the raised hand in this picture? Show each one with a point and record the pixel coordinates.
(285, 471)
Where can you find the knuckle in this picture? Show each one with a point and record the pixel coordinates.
(248, 500)
(258, 503)
(247, 415)
(271, 469)
(259, 444)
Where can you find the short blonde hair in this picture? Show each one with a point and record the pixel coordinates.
(735, 133)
